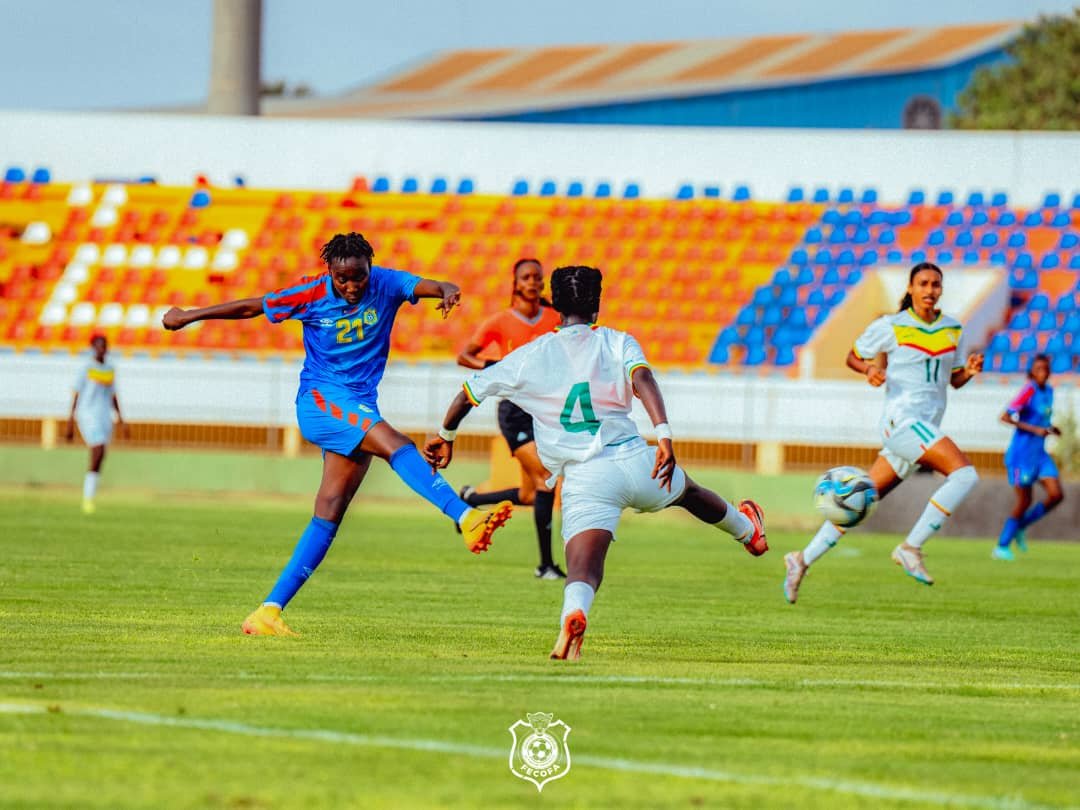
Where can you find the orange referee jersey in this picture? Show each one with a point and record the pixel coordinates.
(507, 330)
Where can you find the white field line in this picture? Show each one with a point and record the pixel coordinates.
(778, 683)
(863, 789)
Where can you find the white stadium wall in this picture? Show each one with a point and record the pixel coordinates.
(327, 154)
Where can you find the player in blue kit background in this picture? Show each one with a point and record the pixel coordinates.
(1026, 460)
(347, 314)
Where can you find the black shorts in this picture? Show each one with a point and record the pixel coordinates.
(515, 424)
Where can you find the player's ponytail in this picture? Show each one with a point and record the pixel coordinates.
(907, 301)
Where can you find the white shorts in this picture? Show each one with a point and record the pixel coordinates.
(95, 430)
(907, 442)
(595, 492)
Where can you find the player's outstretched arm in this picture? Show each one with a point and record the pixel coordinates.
(439, 449)
(648, 391)
(873, 373)
(449, 293)
(962, 376)
(177, 318)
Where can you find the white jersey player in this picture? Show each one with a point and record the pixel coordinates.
(92, 407)
(578, 383)
(926, 354)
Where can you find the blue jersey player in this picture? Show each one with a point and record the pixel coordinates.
(1026, 459)
(347, 314)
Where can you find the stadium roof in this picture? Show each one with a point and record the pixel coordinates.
(498, 81)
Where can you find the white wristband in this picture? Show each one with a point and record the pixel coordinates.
(447, 435)
(663, 431)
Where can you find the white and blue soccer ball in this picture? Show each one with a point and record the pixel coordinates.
(845, 496)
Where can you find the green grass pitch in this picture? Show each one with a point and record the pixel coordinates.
(125, 682)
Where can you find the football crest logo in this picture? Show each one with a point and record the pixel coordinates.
(371, 316)
(540, 752)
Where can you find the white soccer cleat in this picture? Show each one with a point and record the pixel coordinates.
(795, 571)
(911, 560)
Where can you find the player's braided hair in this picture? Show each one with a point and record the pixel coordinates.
(906, 301)
(575, 290)
(347, 246)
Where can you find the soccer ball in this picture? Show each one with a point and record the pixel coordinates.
(845, 496)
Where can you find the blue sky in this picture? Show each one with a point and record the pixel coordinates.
(62, 54)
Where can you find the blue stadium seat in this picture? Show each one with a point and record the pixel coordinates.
(846, 257)
(729, 335)
(936, 237)
(1023, 261)
(1068, 241)
(1050, 261)
(795, 194)
(1052, 200)
(838, 237)
(899, 218)
(964, 239)
(755, 335)
(822, 316)
(816, 298)
(1047, 322)
(439, 185)
(868, 257)
(989, 239)
(806, 276)
(797, 321)
(1028, 344)
(1010, 364)
(711, 192)
(1017, 239)
(631, 192)
(853, 277)
(918, 256)
(789, 297)
(831, 276)
(1067, 303)
(813, 236)
(1072, 324)
(1006, 218)
(465, 186)
(719, 353)
(381, 184)
(1061, 363)
(853, 217)
(832, 217)
(1033, 220)
(200, 199)
(999, 199)
(836, 298)
(954, 219)
(575, 189)
(1062, 220)
(772, 316)
(1055, 344)
(785, 356)
(1024, 278)
(877, 218)
(979, 218)
(741, 194)
(746, 317)
(410, 185)
(1000, 343)
(887, 237)
(972, 257)
(945, 198)
(14, 174)
(999, 257)
(798, 256)
(861, 237)
(894, 257)
(520, 188)
(821, 195)
(547, 188)
(755, 355)
(869, 196)
(782, 277)
(846, 196)
(685, 192)
(1076, 202)
(1074, 262)
(603, 191)
(944, 257)
(41, 176)
(991, 361)
(823, 256)
(917, 197)
(976, 199)
(763, 296)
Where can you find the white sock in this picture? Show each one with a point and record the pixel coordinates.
(826, 537)
(89, 486)
(942, 504)
(736, 524)
(577, 596)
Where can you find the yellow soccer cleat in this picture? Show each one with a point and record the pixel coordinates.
(266, 621)
(568, 645)
(88, 507)
(478, 526)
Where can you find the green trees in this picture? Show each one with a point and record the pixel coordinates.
(1038, 89)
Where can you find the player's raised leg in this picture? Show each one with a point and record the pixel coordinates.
(585, 555)
(960, 478)
(341, 478)
(797, 563)
(477, 526)
(1011, 527)
(746, 524)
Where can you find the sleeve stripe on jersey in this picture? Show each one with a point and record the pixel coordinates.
(469, 394)
(280, 304)
(630, 371)
(855, 351)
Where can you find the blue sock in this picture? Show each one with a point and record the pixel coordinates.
(309, 552)
(1008, 531)
(417, 473)
(1033, 514)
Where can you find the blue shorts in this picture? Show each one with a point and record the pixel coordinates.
(1025, 472)
(335, 418)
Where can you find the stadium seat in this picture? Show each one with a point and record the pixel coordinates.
(979, 218)
(1061, 363)
(795, 194)
(845, 196)
(439, 185)
(685, 192)
(41, 176)
(1052, 200)
(742, 194)
(821, 195)
(381, 185)
(465, 186)
(603, 190)
(631, 192)
(711, 192)
(869, 196)
(1047, 322)
(999, 199)
(1010, 364)
(1061, 220)
(1006, 218)
(547, 188)
(575, 189)
(945, 198)
(917, 197)
(14, 174)
(976, 199)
